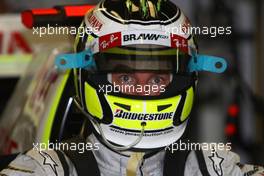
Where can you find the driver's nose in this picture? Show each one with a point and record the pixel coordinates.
(145, 87)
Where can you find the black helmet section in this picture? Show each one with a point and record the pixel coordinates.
(134, 11)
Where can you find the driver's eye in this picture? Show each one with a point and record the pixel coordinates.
(127, 79)
(156, 80)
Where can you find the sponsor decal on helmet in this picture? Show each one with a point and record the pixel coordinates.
(144, 36)
(179, 42)
(94, 22)
(125, 38)
(109, 41)
(141, 116)
(152, 133)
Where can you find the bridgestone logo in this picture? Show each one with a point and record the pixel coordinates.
(134, 116)
(132, 37)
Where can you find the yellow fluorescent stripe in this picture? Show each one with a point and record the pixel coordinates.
(53, 108)
(92, 102)
(136, 124)
(117, 50)
(187, 104)
(137, 107)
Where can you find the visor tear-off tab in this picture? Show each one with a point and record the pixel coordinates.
(207, 63)
(76, 60)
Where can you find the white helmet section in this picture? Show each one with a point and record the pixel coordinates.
(171, 33)
(150, 140)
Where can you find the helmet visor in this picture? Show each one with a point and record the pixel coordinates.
(142, 58)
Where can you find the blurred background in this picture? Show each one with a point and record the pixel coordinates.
(228, 108)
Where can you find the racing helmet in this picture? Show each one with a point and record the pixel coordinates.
(137, 37)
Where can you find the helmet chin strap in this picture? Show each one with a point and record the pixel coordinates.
(113, 147)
